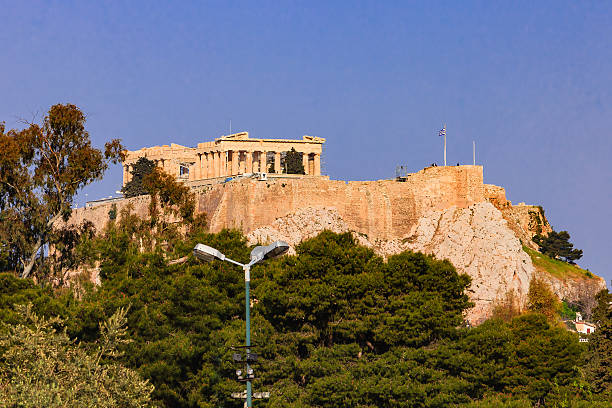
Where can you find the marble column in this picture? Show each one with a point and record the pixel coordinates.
(305, 163)
(241, 162)
(277, 163)
(249, 162)
(317, 164)
(215, 164)
(263, 162)
(255, 160)
(204, 166)
(210, 171)
(197, 168)
(223, 168)
(235, 162)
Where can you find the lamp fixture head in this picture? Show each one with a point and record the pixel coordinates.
(275, 249)
(206, 253)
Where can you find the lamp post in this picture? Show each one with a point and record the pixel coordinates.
(258, 254)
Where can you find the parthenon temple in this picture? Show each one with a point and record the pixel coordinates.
(228, 156)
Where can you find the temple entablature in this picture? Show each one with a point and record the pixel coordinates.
(228, 155)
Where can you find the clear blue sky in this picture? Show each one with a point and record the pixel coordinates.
(530, 82)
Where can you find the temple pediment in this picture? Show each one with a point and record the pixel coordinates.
(235, 136)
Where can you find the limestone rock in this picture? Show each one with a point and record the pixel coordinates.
(298, 226)
(476, 240)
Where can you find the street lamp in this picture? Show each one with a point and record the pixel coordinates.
(258, 254)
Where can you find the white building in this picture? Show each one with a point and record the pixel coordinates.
(582, 326)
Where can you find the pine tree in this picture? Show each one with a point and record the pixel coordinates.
(599, 368)
(134, 187)
(293, 161)
(557, 245)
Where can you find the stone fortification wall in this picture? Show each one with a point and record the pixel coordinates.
(99, 214)
(524, 220)
(382, 209)
(496, 195)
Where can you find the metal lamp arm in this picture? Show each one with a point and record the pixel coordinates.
(235, 262)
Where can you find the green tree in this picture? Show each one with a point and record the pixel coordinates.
(541, 299)
(557, 246)
(169, 198)
(599, 368)
(335, 325)
(142, 168)
(15, 291)
(42, 167)
(293, 162)
(177, 311)
(42, 367)
(348, 327)
(527, 357)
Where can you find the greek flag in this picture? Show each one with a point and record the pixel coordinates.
(442, 131)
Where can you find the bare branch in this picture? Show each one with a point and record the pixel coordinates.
(178, 261)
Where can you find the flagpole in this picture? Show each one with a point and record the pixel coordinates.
(445, 144)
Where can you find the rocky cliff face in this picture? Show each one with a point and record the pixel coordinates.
(477, 240)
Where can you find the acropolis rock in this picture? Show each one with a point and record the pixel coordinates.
(445, 211)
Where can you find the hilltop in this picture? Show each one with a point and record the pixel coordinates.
(445, 211)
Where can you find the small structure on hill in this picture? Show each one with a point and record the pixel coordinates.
(583, 326)
(229, 155)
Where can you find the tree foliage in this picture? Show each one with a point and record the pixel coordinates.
(557, 246)
(168, 197)
(599, 368)
(294, 163)
(335, 326)
(42, 167)
(541, 299)
(507, 307)
(141, 169)
(42, 367)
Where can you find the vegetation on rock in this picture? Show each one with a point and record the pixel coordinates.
(557, 246)
(542, 300)
(556, 267)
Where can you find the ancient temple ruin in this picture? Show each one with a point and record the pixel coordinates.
(228, 156)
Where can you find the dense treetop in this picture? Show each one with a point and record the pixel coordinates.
(335, 325)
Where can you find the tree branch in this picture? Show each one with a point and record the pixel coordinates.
(178, 261)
